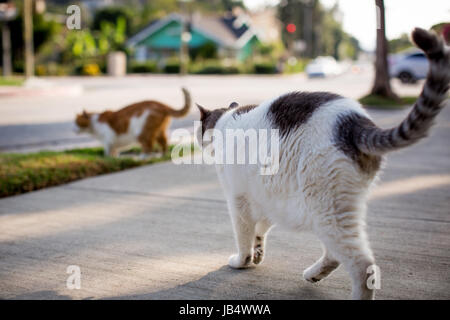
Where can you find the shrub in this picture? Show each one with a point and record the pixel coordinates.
(295, 65)
(19, 66)
(265, 68)
(143, 67)
(41, 70)
(216, 69)
(111, 15)
(52, 69)
(206, 51)
(91, 69)
(172, 67)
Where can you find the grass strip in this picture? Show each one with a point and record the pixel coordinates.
(20, 173)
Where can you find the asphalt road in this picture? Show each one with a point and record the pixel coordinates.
(30, 123)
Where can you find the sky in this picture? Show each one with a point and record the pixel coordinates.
(359, 16)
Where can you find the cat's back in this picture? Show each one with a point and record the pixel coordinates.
(312, 133)
(292, 112)
(131, 117)
(136, 109)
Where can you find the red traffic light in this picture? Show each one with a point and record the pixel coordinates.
(291, 28)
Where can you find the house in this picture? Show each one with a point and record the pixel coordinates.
(232, 35)
(267, 23)
(94, 5)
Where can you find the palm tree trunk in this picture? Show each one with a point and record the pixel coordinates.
(381, 86)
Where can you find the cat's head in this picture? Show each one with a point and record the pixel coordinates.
(209, 118)
(83, 122)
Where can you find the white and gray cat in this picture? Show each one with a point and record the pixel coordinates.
(330, 154)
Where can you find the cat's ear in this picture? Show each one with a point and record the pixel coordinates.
(203, 111)
(233, 105)
(85, 114)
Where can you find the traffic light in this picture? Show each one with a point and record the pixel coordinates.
(291, 28)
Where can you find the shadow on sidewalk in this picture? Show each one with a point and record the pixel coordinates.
(226, 283)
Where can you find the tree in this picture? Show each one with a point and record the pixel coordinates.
(443, 28)
(399, 44)
(305, 15)
(382, 85)
(44, 31)
(111, 15)
(318, 27)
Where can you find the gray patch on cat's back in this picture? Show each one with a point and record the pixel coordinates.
(291, 110)
(348, 127)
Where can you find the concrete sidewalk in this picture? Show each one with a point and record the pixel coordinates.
(163, 232)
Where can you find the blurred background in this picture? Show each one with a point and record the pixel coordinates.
(219, 37)
(140, 234)
(59, 57)
(187, 36)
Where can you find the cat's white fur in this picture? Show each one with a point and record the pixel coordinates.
(318, 188)
(114, 142)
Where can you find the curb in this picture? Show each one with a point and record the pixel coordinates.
(40, 92)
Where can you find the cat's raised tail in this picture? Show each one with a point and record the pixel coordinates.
(372, 140)
(187, 105)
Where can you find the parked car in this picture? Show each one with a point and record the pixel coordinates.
(409, 66)
(323, 67)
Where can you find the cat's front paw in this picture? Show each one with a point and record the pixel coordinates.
(237, 262)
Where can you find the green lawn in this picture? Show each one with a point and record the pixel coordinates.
(11, 81)
(374, 101)
(21, 173)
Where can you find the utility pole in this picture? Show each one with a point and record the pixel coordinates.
(28, 37)
(185, 37)
(308, 26)
(7, 12)
(6, 46)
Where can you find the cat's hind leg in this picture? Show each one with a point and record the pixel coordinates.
(110, 151)
(244, 231)
(147, 142)
(162, 141)
(261, 229)
(347, 242)
(106, 150)
(322, 268)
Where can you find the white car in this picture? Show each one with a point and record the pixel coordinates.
(322, 67)
(408, 66)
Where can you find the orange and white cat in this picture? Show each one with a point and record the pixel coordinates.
(143, 123)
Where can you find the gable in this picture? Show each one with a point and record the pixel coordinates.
(247, 49)
(168, 37)
(235, 26)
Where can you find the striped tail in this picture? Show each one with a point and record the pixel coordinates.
(187, 106)
(376, 141)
